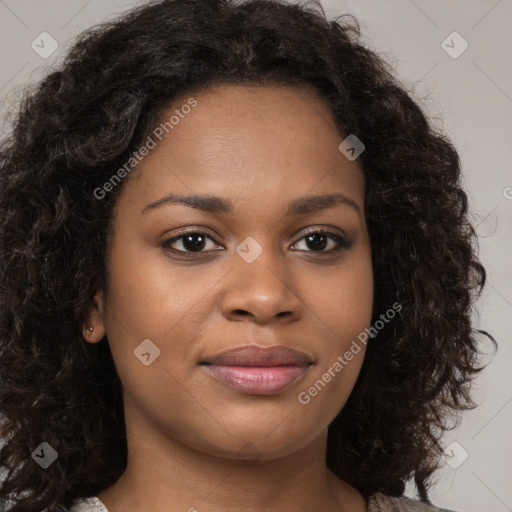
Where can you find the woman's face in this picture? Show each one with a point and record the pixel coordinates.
(247, 271)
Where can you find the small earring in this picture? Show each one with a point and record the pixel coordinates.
(90, 328)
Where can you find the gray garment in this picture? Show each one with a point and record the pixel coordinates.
(88, 505)
(376, 503)
(380, 503)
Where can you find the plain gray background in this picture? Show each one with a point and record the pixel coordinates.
(468, 94)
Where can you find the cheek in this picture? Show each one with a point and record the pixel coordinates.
(342, 301)
(342, 309)
(148, 298)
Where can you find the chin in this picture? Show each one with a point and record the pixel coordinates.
(253, 444)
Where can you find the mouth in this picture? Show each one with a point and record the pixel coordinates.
(257, 370)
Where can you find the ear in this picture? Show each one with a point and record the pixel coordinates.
(93, 330)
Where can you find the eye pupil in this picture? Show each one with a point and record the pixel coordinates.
(312, 237)
(197, 245)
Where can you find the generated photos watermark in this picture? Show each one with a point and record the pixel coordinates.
(304, 397)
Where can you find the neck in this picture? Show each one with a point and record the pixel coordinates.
(164, 475)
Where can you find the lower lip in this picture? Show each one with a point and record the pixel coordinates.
(257, 380)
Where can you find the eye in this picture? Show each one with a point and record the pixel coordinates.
(191, 242)
(317, 241)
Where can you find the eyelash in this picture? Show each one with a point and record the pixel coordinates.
(342, 243)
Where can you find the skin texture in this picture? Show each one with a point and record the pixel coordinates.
(192, 440)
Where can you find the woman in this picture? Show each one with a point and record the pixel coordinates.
(237, 272)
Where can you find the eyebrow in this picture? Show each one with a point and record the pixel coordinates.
(214, 204)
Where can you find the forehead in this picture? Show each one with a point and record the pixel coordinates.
(243, 141)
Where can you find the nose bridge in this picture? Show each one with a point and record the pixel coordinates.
(261, 285)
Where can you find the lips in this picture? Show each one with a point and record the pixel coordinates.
(258, 370)
(252, 355)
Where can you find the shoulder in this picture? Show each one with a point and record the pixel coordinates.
(381, 503)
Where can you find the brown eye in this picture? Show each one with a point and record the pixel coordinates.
(318, 241)
(194, 241)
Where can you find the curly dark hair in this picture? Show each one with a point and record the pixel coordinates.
(83, 121)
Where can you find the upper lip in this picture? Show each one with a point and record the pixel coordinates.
(253, 355)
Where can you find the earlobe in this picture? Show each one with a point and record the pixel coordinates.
(93, 330)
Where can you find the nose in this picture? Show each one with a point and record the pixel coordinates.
(263, 291)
